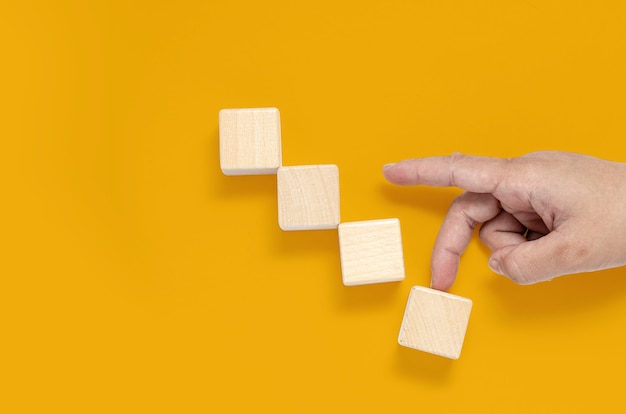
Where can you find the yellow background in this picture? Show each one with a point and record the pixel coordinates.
(135, 277)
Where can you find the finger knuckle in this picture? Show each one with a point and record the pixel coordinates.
(454, 159)
(460, 206)
(517, 271)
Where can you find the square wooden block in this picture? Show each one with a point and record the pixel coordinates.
(250, 141)
(308, 197)
(371, 252)
(435, 322)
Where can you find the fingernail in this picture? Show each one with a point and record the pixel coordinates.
(494, 265)
(387, 166)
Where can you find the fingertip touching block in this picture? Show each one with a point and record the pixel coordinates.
(308, 197)
(435, 322)
(371, 252)
(250, 141)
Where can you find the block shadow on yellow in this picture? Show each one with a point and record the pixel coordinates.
(418, 366)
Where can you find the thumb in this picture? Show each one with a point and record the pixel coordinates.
(538, 260)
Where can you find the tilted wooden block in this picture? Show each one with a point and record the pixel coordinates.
(250, 142)
(371, 252)
(308, 197)
(435, 322)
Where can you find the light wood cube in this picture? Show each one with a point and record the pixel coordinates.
(250, 142)
(435, 322)
(308, 197)
(371, 252)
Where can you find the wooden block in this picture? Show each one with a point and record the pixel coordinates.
(308, 197)
(371, 252)
(435, 322)
(250, 141)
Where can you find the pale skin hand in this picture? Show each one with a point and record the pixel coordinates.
(543, 215)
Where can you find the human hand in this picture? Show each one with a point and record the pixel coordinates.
(543, 215)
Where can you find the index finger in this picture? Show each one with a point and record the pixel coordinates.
(471, 173)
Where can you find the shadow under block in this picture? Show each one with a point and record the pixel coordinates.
(371, 252)
(435, 322)
(308, 197)
(250, 141)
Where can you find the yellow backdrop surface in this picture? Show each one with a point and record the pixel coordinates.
(135, 277)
